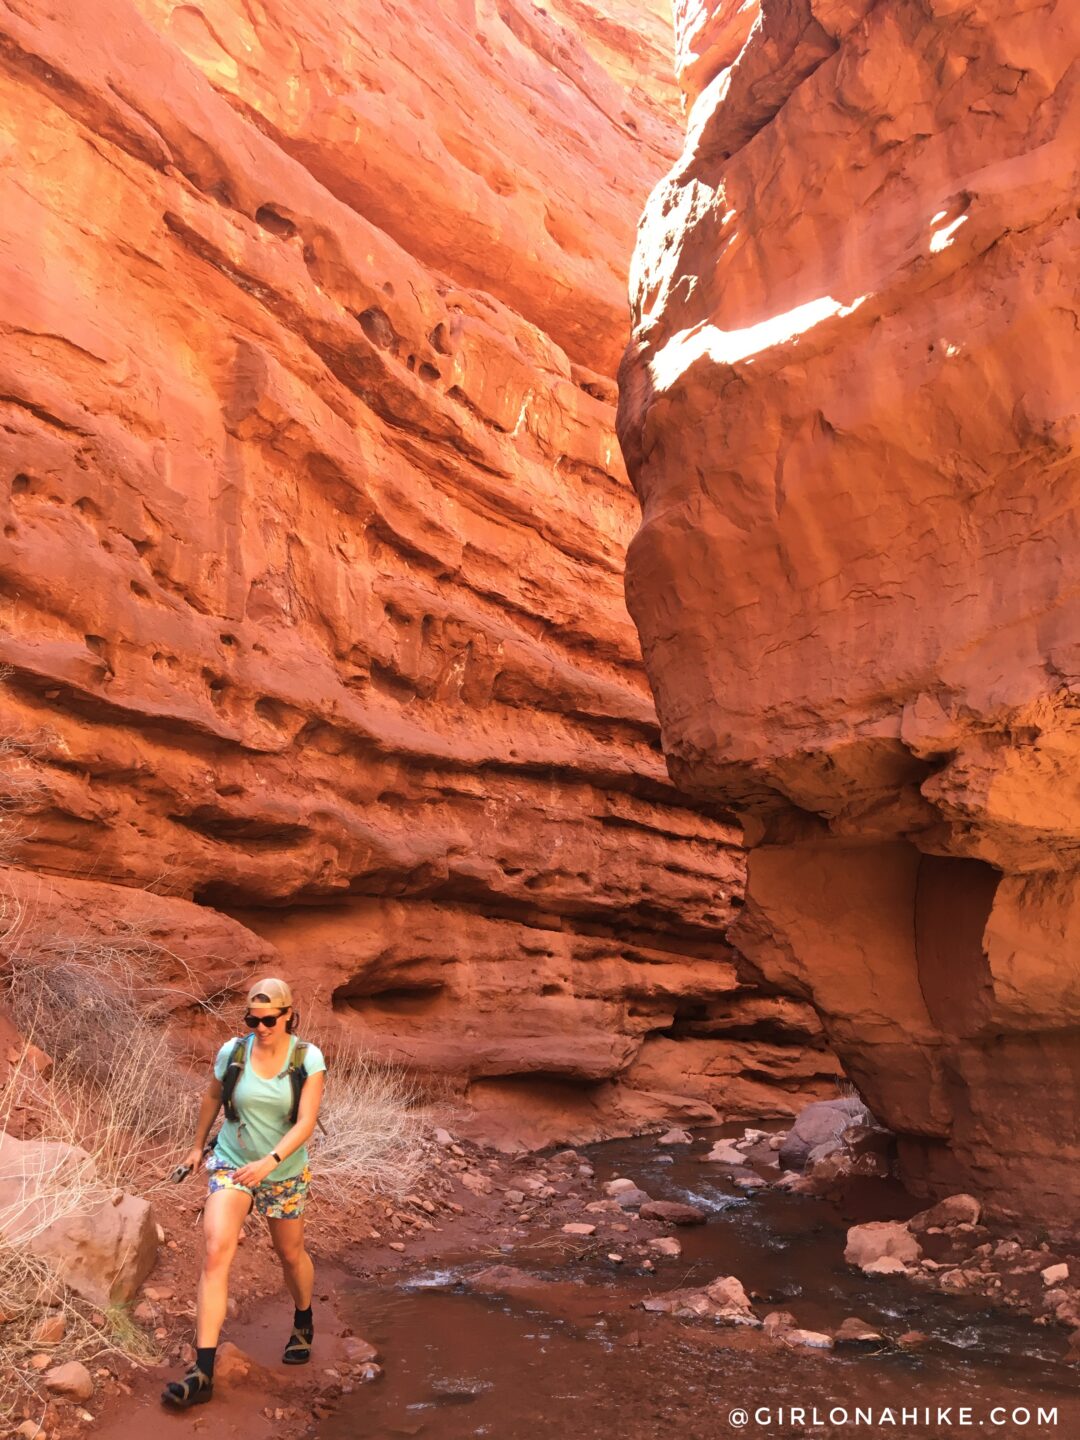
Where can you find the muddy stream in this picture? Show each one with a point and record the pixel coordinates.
(568, 1352)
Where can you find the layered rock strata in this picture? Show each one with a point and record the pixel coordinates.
(850, 413)
(314, 525)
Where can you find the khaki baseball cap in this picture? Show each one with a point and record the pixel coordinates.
(270, 992)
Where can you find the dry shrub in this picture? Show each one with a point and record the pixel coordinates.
(115, 1089)
(374, 1137)
(115, 1094)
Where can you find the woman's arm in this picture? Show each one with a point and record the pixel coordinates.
(211, 1104)
(310, 1100)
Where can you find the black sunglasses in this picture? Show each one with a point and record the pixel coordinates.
(254, 1021)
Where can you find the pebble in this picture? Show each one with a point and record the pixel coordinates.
(577, 1228)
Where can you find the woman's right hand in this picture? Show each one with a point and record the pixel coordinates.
(193, 1159)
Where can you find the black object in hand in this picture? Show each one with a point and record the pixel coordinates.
(180, 1173)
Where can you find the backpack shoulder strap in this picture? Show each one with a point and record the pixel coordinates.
(297, 1076)
(233, 1071)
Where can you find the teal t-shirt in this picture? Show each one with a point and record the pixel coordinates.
(263, 1107)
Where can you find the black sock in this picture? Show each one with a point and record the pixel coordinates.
(204, 1359)
(302, 1319)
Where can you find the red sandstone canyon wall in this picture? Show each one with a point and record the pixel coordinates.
(850, 412)
(314, 523)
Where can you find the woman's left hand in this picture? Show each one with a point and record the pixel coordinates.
(255, 1172)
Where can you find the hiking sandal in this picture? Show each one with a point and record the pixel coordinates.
(195, 1389)
(298, 1346)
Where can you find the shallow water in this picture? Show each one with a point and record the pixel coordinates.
(572, 1356)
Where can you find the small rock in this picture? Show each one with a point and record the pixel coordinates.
(777, 1320)
(144, 1313)
(1055, 1274)
(615, 1259)
(666, 1245)
(40, 1362)
(357, 1351)
(618, 1185)
(443, 1137)
(750, 1182)
(71, 1381)
(676, 1137)
(912, 1339)
(672, 1212)
(880, 1239)
(396, 1245)
(885, 1265)
(369, 1372)
(857, 1332)
(632, 1199)
(30, 1430)
(50, 1329)
(812, 1339)
(955, 1210)
(578, 1228)
(724, 1153)
(515, 1197)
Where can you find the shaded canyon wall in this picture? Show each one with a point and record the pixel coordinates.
(314, 524)
(850, 412)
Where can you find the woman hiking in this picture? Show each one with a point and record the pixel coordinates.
(271, 1085)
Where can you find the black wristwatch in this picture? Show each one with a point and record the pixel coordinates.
(276, 1156)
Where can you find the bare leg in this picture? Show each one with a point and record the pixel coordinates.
(223, 1219)
(296, 1266)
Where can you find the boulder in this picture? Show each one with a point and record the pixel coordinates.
(955, 1210)
(104, 1254)
(672, 1212)
(880, 1239)
(820, 1124)
(103, 1247)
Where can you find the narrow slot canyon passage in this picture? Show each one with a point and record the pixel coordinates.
(547, 526)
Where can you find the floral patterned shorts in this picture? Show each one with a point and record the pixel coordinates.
(276, 1199)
